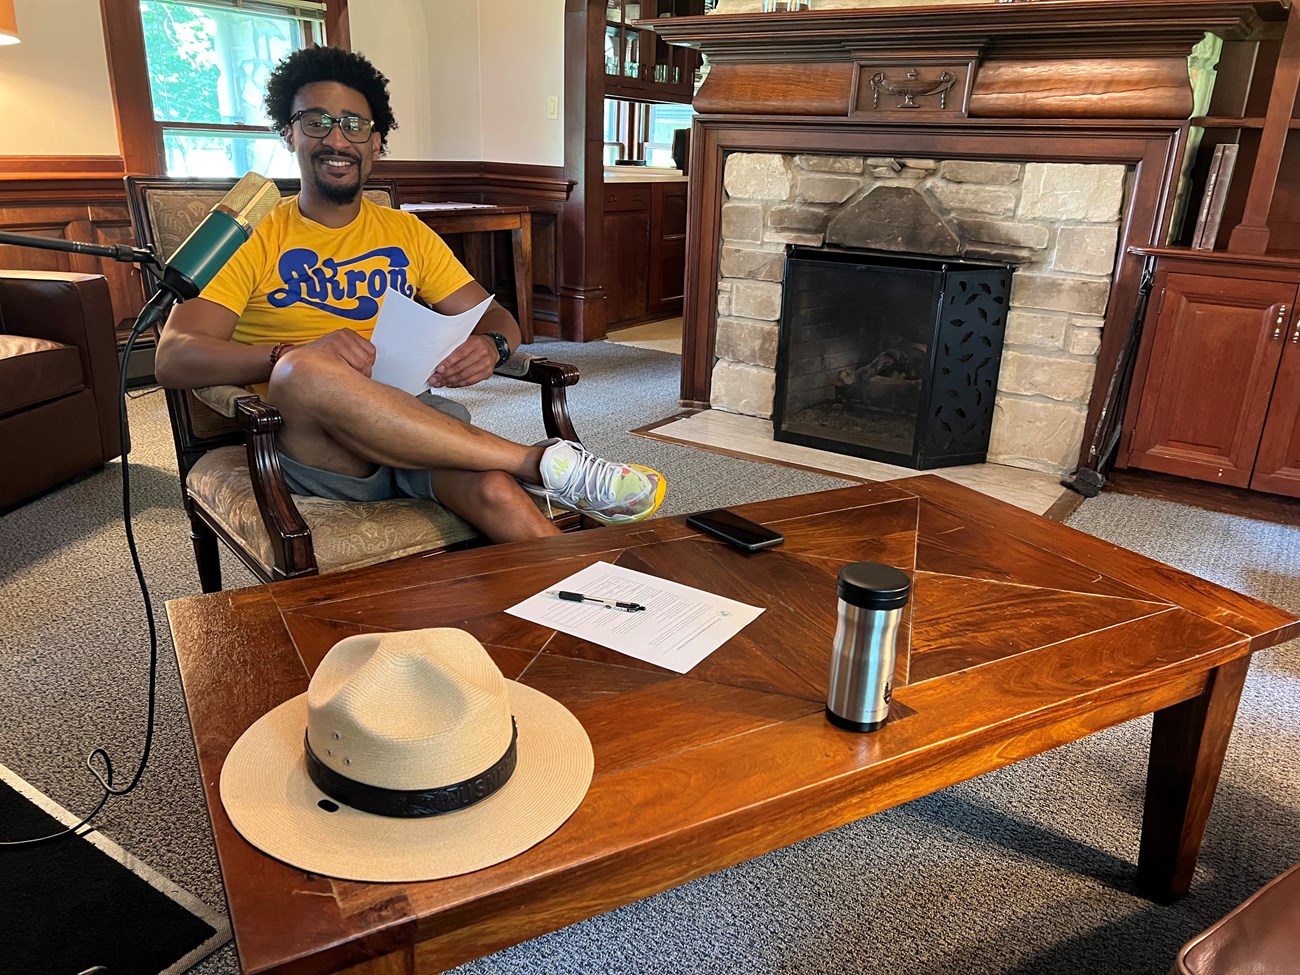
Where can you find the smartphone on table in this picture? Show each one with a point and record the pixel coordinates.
(744, 534)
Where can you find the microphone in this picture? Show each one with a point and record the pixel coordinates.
(219, 235)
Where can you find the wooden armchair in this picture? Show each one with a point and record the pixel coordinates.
(231, 483)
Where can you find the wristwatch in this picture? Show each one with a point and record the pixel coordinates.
(503, 347)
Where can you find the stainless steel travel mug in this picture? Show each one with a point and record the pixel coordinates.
(871, 601)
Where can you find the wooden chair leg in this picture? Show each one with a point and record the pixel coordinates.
(207, 555)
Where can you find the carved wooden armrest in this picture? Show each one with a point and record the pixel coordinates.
(222, 399)
(290, 536)
(553, 378)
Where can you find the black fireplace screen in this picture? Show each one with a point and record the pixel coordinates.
(891, 357)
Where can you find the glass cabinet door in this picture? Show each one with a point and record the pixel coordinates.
(638, 63)
(613, 50)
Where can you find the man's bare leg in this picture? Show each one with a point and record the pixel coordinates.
(494, 503)
(337, 419)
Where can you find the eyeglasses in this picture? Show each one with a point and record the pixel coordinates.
(317, 125)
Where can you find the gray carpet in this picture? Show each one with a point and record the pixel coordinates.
(1024, 870)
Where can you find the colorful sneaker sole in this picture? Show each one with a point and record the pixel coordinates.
(625, 518)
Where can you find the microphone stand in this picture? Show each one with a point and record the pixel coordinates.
(153, 313)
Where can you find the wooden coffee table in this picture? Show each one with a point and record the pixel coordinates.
(1023, 635)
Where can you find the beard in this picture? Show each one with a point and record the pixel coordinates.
(334, 192)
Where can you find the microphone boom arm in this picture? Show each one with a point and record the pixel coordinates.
(115, 252)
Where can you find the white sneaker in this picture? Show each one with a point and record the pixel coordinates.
(613, 494)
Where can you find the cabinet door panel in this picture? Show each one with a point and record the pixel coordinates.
(1207, 389)
(1277, 468)
(667, 249)
(627, 265)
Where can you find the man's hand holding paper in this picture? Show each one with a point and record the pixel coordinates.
(471, 362)
(412, 341)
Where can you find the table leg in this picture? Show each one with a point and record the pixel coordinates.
(1188, 742)
(521, 240)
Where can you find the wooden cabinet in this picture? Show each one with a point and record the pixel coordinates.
(667, 249)
(1220, 381)
(1277, 466)
(1216, 385)
(627, 252)
(638, 64)
(645, 251)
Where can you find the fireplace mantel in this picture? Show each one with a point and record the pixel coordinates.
(1059, 28)
(1049, 59)
(1052, 81)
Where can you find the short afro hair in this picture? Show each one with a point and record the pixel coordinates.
(312, 64)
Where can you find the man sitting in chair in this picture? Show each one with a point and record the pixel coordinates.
(295, 308)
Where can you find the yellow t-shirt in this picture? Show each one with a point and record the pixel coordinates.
(295, 280)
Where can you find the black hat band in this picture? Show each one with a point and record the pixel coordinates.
(414, 803)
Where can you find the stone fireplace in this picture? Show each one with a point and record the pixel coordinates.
(1058, 223)
(1047, 134)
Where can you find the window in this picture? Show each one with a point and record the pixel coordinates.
(617, 123)
(637, 130)
(663, 121)
(208, 61)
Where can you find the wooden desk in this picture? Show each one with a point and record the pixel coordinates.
(1023, 635)
(453, 218)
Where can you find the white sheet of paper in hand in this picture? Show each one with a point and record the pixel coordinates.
(410, 340)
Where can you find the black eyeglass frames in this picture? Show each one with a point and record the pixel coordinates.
(317, 125)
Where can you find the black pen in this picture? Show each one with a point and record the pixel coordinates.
(577, 597)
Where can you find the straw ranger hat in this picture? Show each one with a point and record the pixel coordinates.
(420, 761)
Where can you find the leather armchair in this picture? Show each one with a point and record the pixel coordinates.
(1258, 937)
(58, 380)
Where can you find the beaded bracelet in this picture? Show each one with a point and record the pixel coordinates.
(279, 350)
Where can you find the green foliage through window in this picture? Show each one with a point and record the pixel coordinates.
(208, 64)
(180, 44)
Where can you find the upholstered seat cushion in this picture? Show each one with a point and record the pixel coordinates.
(345, 534)
(35, 371)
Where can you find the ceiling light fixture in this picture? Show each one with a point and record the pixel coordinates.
(8, 23)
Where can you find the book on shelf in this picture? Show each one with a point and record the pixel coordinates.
(1222, 162)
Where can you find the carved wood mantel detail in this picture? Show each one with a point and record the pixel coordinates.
(942, 87)
(1075, 81)
(912, 87)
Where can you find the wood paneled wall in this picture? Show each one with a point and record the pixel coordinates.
(77, 198)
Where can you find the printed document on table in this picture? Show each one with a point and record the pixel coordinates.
(410, 340)
(679, 627)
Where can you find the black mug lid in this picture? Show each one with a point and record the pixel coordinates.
(873, 585)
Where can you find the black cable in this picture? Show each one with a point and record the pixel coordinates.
(153, 312)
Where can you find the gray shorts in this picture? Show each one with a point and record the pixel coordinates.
(384, 484)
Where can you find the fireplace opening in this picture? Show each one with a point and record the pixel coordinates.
(891, 357)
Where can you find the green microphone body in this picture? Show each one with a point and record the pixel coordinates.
(218, 235)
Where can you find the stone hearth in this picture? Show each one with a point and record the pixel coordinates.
(1059, 223)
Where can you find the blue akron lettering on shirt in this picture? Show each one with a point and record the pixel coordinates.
(341, 287)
